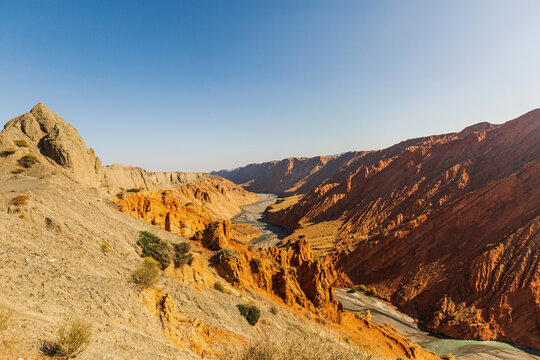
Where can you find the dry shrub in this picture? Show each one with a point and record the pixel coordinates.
(72, 339)
(21, 143)
(5, 318)
(251, 312)
(28, 160)
(146, 275)
(303, 346)
(219, 287)
(19, 200)
(8, 151)
(17, 171)
(105, 247)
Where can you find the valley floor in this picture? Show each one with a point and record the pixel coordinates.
(254, 215)
(462, 349)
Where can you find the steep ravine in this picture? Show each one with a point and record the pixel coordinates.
(381, 312)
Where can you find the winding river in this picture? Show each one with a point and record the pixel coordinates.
(254, 215)
(383, 313)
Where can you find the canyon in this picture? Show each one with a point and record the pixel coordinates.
(445, 227)
(71, 244)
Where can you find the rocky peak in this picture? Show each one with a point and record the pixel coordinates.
(56, 140)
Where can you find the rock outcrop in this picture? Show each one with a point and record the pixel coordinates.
(191, 208)
(119, 177)
(446, 227)
(48, 134)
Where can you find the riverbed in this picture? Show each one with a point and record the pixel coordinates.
(383, 313)
(254, 215)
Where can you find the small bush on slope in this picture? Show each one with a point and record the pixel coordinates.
(8, 151)
(147, 274)
(251, 312)
(181, 254)
(21, 143)
(19, 200)
(219, 287)
(105, 247)
(72, 339)
(28, 160)
(152, 246)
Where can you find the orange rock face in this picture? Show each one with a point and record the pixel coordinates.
(446, 227)
(189, 209)
(287, 275)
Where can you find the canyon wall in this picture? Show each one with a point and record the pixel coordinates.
(446, 227)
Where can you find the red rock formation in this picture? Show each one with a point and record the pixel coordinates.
(292, 175)
(191, 208)
(444, 226)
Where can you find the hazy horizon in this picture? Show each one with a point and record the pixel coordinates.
(202, 86)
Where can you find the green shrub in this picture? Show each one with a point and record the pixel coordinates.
(361, 288)
(72, 339)
(146, 275)
(225, 254)
(21, 143)
(105, 247)
(17, 171)
(371, 292)
(133, 190)
(19, 200)
(152, 246)
(28, 160)
(251, 312)
(182, 254)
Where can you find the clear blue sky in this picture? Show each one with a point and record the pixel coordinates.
(204, 85)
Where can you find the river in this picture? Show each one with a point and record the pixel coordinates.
(254, 215)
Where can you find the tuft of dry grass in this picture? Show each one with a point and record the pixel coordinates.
(5, 318)
(72, 339)
(294, 346)
(146, 275)
(28, 160)
(105, 247)
(19, 200)
(21, 143)
(8, 151)
(219, 287)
